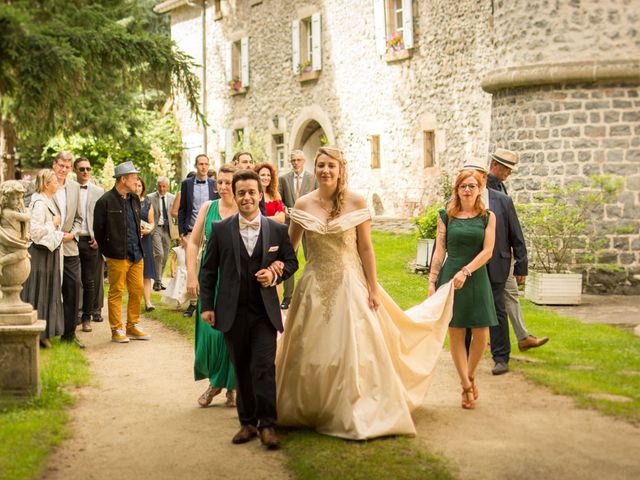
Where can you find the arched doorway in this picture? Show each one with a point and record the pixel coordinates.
(313, 137)
(310, 131)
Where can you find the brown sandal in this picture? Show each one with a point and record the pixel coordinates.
(468, 403)
(476, 392)
(231, 401)
(206, 398)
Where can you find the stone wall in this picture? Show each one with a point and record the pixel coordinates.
(357, 90)
(543, 31)
(567, 134)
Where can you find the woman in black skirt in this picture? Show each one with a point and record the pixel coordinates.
(43, 288)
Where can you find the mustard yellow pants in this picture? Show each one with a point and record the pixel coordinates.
(121, 273)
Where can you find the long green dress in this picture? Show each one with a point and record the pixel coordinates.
(212, 357)
(472, 304)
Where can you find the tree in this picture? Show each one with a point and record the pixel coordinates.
(81, 67)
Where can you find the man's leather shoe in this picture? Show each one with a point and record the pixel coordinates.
(157, 287)
(86, 326)
(531, 342)
(500, 368)
(189, 311)
(246, 433)
(98, 318)
(73, 339)
(285, 304)
(269, 438)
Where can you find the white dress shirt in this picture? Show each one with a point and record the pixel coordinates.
(61, 197)
(250, 235)
(84, 194)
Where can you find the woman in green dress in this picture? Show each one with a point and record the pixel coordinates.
(466, 233)
(211, 354)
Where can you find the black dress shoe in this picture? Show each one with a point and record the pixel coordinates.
(157, 286)
(500, 368)
(97, 318)
(285, 304)
(73, 339)
(189, 311)
(162, 287)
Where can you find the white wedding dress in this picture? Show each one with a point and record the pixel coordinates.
(342, 368)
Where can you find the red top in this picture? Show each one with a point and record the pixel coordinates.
(273, 207)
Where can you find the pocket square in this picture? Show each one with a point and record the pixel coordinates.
(275, 248)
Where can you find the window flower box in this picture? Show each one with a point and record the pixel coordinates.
(306, 76)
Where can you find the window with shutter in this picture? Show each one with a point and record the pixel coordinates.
(393, 20)
(307, 47)
(237, 66)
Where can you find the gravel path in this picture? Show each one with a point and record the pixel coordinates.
(141, 418)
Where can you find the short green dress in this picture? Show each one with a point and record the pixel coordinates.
(212, 357)
(472, 304)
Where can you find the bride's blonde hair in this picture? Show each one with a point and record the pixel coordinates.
(340, 194)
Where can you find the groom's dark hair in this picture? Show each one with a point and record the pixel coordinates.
(245, 175)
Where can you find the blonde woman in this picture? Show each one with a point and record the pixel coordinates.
(43, 288)
(350, 363)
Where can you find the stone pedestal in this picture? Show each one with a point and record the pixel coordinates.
(20, 355)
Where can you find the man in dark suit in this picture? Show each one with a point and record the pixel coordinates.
(292, 185)
(509, 238)
(239, 253)
(503, 163)
(194, 192)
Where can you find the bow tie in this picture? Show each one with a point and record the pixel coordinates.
(255, 223)
(201, 181)
(84, 187)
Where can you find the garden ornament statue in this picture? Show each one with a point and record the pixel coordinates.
(14, 237)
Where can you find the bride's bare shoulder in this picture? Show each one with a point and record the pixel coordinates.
(355, 201)
(304, 201)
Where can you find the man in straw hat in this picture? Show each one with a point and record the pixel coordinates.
(509, 242)
(116, 225)
(502, 164)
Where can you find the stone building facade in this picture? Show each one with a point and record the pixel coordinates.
(413, 88)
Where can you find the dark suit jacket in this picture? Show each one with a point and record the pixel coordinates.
(221, 267)
(495, 184)
(186, 202)
(508, 236)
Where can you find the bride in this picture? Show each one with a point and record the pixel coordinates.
(351, 363)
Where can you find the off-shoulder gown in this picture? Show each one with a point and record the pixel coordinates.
(342, 368)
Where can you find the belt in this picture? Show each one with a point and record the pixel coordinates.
(84, 237)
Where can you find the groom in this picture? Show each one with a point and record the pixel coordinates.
(246, 308)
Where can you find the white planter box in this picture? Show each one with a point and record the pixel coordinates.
(425, 249)
(554, 288)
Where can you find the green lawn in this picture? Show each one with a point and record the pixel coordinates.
(28, 431)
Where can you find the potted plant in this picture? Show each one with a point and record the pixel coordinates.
(305, 67)
(562, 226)
(394, 42)
(235, 84)
(427, 226)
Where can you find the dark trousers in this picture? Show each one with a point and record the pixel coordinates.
(500, 343)
(92, 274)
(252, 349)
(71, 286)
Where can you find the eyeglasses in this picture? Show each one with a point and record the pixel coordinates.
(467, 186)
(84, 169)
